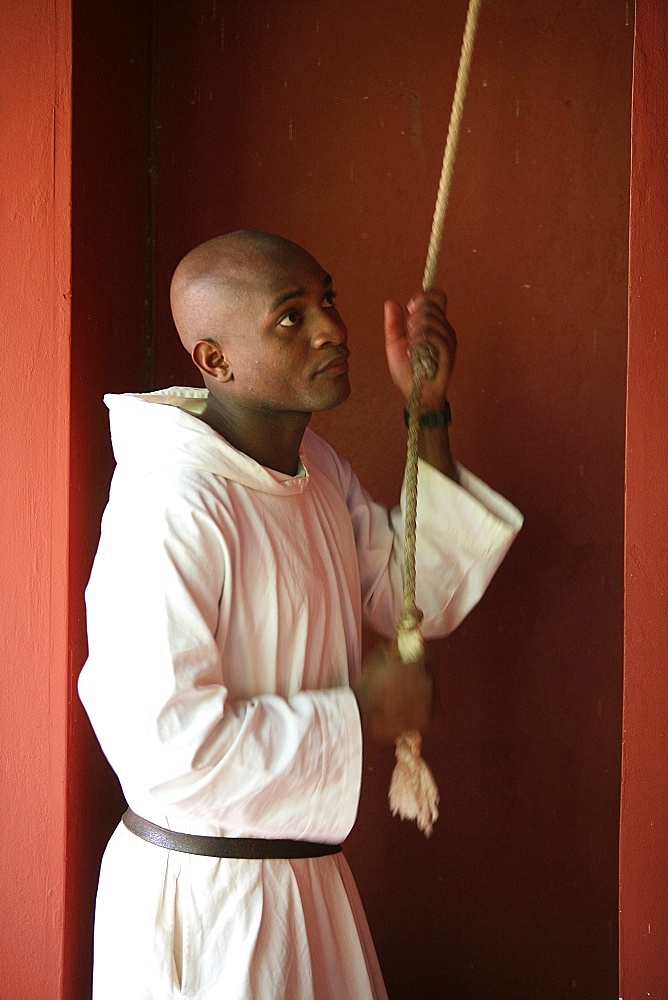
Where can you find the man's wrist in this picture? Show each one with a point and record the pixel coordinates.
(433, 418)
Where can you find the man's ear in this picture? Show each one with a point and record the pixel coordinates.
(210, 359)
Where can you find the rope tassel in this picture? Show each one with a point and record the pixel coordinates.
(413, 793)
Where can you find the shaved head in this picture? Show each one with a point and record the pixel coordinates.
(257, 315)
(216, 275)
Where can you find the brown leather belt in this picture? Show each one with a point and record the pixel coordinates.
(224, 847)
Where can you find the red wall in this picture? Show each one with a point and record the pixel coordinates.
(326, 122)
(34, 421)
(643, 870)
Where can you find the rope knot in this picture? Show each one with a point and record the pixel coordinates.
(424, 359)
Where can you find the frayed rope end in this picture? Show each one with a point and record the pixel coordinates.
(413, 792)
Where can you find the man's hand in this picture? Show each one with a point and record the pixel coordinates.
(392, 696)
(425, 319)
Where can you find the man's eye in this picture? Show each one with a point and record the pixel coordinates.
(290, 319)
(328, 299)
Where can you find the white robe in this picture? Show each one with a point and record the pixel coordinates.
(225, 609)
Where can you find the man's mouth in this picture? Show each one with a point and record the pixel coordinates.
(337, 366)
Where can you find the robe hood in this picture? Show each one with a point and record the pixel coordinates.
(160, 430)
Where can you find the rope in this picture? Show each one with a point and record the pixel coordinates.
(424, 367)
(413, 791)
(422, 358)
(447, 170)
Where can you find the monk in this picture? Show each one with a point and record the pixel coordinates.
(239, 557)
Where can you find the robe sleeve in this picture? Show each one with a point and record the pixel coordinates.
(463, 533)
(186, 753)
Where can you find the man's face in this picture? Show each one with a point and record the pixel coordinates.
(284, 338)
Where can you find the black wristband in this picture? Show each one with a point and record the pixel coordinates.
(434, 418)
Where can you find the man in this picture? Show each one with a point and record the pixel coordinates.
(237, 559)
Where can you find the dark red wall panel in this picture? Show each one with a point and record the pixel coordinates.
(110, 353)
(326, 122)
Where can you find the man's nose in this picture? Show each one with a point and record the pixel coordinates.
(330, 330)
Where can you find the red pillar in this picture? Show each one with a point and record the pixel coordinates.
(644, 806)
(35, 167)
